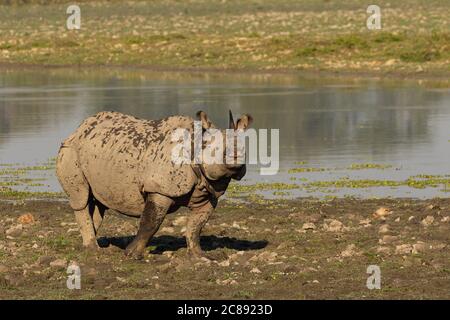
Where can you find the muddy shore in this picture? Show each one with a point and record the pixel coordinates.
(295, 249)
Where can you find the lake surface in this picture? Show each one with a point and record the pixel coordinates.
(326, 124)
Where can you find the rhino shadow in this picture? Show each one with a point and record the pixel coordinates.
(171, 243)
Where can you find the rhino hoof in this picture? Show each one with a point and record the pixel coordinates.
(92, 247)
(200, 255)
(132, 253)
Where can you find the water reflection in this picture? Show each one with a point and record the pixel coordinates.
(324, 122)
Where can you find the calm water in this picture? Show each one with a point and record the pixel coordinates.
(326, 123)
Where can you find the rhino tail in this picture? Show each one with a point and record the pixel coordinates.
(71, 178)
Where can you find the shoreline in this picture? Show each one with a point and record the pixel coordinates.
(307, 73)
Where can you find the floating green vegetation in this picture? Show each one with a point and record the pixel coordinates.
(233, 188)
(279, 189)
(361, 166)
(309, 169)
(16, 170)
(8, 193)
(368, 183)
(281, 193)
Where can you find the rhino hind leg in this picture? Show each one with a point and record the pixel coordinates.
(72, 178)
(156, 208)
(86, 225)
(98, 213)
(196, 221)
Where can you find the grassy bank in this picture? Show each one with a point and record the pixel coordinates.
(301, 35)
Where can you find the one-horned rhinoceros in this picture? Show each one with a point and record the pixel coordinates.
(116, 161)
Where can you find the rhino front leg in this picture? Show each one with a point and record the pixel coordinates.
(156, 208)
(196, 222)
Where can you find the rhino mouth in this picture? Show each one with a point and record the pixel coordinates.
(240, 174)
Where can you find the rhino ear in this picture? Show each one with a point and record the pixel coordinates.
(231, 124)
(244, 122)
(206, 123)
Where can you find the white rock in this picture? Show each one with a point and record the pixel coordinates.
(58, 263)
(15, 231)
(255, 270)
(427, 221)
(333, 225)
(385, 250)
(403, 249)
(350, 251)
(225, 263)
(387, 239)
(308, 226)
(419, 247)
(383, 228)
(382, 213)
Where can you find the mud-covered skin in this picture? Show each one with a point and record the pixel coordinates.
(123, 163)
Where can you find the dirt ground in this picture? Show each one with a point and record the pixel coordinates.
(294, 249)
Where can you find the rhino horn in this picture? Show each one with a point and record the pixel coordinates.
(231, 124)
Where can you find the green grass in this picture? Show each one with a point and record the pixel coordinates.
(262, 35)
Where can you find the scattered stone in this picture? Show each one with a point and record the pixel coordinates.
(26, 218)
(411, 218)
(383, 228)
(382, 213)
(168, 230)
(15, 231)
(350, 251)
(3, 269)
(445, 219)
(403, 249)
(283, 245)
(390, 62)
(308, 226)
(333, 225)
(419, 247)
(432, 207)
(265, 256)
(427, 221)
(255, 270)
(225, 263)
(397, 220)
(315, 281)
(387, 239)
(438, 246)
(122, 280)
(314, 218)
(44, 260)
(58, 263)
(228, 282)
(385, 250)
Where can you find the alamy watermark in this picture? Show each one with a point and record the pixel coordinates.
(374, 280)
(74, 20)
(74, 278)
(374, 20)
(228, 147)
